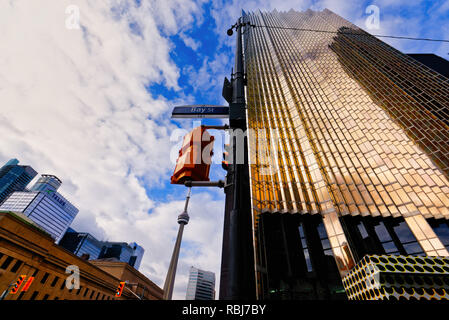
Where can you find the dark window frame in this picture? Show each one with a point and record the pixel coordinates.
(16, 266)
(45, 277)
(34, 295)
(7, 263)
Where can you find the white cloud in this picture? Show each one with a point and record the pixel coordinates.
(209, 77)
(190, 42)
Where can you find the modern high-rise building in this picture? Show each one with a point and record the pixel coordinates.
(349, 157)
(121, 251)
(14, 177)
(201, 285)
(82, 244)
(137, 256)
(90, 248)
(44, 205)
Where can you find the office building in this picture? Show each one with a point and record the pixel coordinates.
(21, 242)
(137, 256)
(44, 205)
(87, 246)
(14, 177)
(136, 282)
(81, 244)
(201, 285)
(434, 62)
(349, 153)
(122, 251)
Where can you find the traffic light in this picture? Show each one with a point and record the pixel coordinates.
(17, 285)
(195, 157)
(120, 289)
(226, 157)
(27, 284)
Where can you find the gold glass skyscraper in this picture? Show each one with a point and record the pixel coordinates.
(349, 151)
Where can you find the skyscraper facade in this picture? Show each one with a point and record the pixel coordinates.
(349, 152)
(44, 205)
(87, 246)
(131, 253)
(82, 244)
(137, 256)
(201, 285)
(14, 177)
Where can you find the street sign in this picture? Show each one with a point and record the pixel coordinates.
(200, 111)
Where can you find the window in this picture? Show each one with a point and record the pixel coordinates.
(441, 229)
(385, 238)
(6, 263)
(45, 277)
(55, 280)
(21, 295)
(35, 272)
(305, 248)
(85, 292)
(362, 230)
(56, 298)
(98, 294)
(407, 239)
(45, 297)
(382, 236)
(34, 295)
(327, 249)
(91, 295)
(16, 266)
(79, 290)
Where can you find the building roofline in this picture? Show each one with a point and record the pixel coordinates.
(128, 267)
(51, 175)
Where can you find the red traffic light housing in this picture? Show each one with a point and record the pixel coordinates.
(17, 285)
(27, 284)
(194, 157)
(119, 291)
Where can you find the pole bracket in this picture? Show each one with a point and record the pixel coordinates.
(219, 183)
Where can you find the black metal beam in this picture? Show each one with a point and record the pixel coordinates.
(237, 279)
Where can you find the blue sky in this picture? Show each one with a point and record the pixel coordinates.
(92, 105)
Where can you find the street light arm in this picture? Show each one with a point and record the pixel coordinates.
(133, 292)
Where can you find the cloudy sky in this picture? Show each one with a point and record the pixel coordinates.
(86, 92)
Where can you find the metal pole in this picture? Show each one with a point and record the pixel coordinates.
(5, 293)
(237, 279)
(183, 219)
(133, 293)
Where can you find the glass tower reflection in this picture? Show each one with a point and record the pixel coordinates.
(346, 133)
